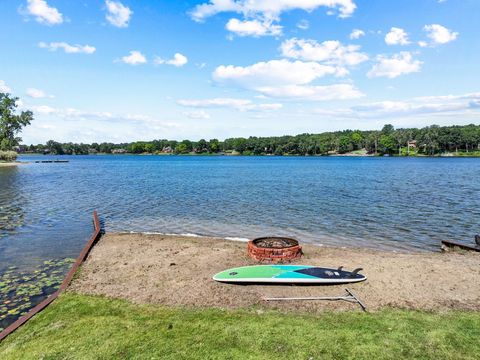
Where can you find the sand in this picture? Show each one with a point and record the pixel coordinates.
(177, 271)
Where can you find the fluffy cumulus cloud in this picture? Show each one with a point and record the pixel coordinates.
(67, 48)
(44, 13)
(392, 67)
(397, 36)
(4, 87)
(260, 15)
(286, 79)
(272, 73)
(134, 58)
(117, 14)
(253, 27)
(438, 35)
(37, 93)
(356, 34)
(329, 52)
(235, 103)
(178, 60)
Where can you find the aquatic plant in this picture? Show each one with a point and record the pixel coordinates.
(21, 290)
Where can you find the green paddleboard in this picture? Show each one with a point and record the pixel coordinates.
(288, 274)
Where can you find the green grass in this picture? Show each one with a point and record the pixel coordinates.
(87, 327)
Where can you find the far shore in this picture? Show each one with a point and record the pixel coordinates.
(475, 154)
(178, 270)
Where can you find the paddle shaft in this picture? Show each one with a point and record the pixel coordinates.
(350, 298)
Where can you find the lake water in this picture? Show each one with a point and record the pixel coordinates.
(402, 204)
(385, 203)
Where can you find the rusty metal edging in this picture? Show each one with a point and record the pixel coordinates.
(66, 281)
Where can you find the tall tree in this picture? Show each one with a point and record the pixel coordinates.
(11, 123)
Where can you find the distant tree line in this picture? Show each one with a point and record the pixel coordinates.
(429, 140)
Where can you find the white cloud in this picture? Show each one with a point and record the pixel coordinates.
(37, 93)
(71, 124)
(272, 73)
(4, 88)
(253, 27)
(74, 114)
(397, 36)
(421, 106)
(259, 16)
(215, 102)
(303, 24)
(330, 52)
(398, 64)
(69, 49)
(268, 9)
(238, 104)
(178, 60)
(44, 109)
(314, 93)
(287, 79)
(439, 34)
(197, 114)
(440, 98)
(44, 13)
(357, 34)
(117, 14)
(135, 58)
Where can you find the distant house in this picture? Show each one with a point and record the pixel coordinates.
(119, 151)
(20, 149)
(412, 144)
(167, 150)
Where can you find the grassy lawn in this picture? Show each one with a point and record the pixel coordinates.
(87, 327)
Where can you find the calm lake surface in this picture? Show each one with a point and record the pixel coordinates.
(396, 204)
(385, 203)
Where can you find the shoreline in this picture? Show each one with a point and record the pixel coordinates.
(443, 155)
(177, 271)
(365, 247)
(9, 164)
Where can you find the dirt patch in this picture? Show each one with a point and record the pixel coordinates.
(175, 270)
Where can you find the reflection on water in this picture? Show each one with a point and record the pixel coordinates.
(12, 202)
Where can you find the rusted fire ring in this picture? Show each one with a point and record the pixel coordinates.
(274, 249)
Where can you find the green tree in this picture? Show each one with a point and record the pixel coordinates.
(213, 145)
(357, 140)
(387, 144)
(202, 146)
(55, 147)
(344, 144)
(11, 123)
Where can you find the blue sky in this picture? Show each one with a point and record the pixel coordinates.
(141, 70)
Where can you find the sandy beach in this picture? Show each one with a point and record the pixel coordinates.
(177, 271)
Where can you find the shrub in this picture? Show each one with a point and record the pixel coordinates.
(8, 155)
